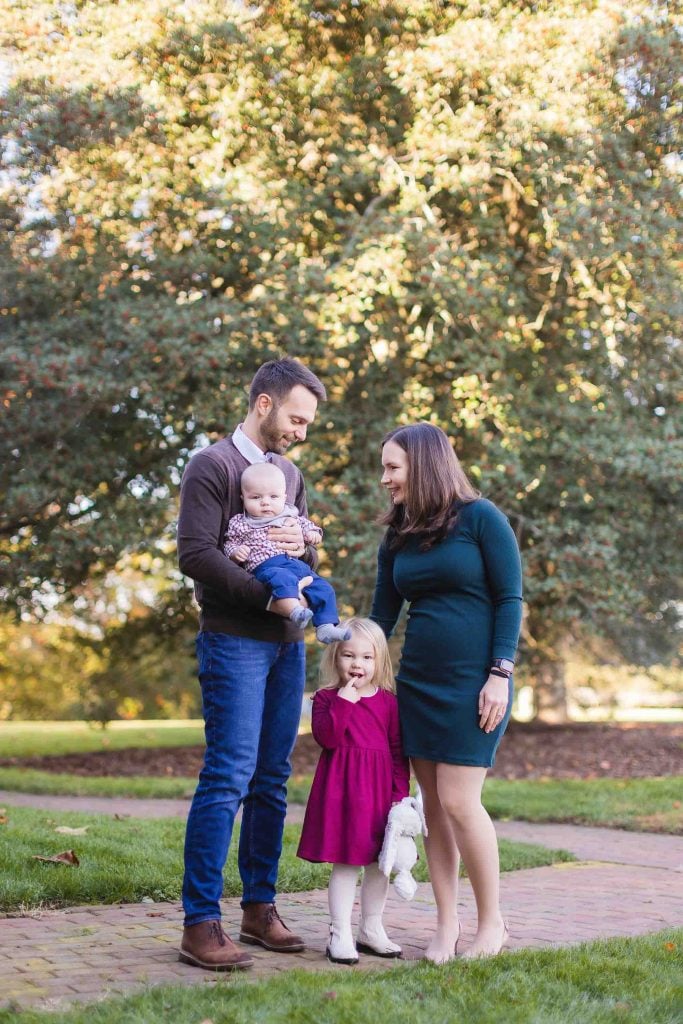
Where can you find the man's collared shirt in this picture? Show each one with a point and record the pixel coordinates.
(246, 447)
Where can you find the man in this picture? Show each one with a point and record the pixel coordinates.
(251, 671)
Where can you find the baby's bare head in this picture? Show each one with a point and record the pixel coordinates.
(264, 490)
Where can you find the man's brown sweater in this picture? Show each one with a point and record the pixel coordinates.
(230, 600)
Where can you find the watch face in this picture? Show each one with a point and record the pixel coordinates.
(505, 664)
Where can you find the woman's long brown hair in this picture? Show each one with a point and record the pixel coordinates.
(436, 486)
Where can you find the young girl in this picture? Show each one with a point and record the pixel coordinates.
(361, 773)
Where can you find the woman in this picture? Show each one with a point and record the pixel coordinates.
(453, 556)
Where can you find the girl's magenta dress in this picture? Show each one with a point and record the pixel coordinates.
(360, 774)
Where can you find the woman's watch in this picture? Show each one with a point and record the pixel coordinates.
(504, 666)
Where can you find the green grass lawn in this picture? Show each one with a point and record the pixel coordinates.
(34, 739)
(649, 805)
(619, 981)
(31, 780)
(131, 858)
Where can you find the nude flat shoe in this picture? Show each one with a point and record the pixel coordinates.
(455, 950)
(486, 956)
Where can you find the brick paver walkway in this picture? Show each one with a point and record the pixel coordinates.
(600, 844)
(625, 884)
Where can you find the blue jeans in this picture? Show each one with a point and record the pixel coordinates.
(251, 697)
(281, 574)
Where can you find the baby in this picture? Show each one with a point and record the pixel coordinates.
(246, 542)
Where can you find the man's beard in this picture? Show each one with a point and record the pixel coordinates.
(271, 434)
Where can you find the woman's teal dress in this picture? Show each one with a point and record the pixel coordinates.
(465, 609)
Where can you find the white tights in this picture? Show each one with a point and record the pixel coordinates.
(373, 894)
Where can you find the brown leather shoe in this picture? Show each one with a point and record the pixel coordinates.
(206, 945)
(263, 926)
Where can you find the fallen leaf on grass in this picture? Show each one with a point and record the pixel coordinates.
(3, 816)
(66, 857)
(67, 831)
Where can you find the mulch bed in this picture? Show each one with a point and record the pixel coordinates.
(529, 751)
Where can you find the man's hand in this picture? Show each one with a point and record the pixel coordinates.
(303, 583)
(287, 604)
(288, 539)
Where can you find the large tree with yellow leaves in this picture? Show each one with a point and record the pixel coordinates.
(465, 212)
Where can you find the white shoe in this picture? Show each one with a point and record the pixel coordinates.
(341, 948)
(374, 940)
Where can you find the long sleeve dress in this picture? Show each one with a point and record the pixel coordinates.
(465, 609)
(361, 772)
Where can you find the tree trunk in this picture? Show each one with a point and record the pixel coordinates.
(547, 659)
(550, 689)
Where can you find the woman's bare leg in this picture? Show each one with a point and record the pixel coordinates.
(459, 792)
(443, 861)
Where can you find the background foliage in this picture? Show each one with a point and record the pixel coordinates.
(464, 212)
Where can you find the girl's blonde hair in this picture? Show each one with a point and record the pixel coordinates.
(384, 673)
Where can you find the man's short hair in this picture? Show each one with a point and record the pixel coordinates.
(277, 378)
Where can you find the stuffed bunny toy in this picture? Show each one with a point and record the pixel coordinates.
(399, 853)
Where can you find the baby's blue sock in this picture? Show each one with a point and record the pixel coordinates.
(328, 633)
(301, 616)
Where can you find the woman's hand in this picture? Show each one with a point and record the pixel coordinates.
(493, 702)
